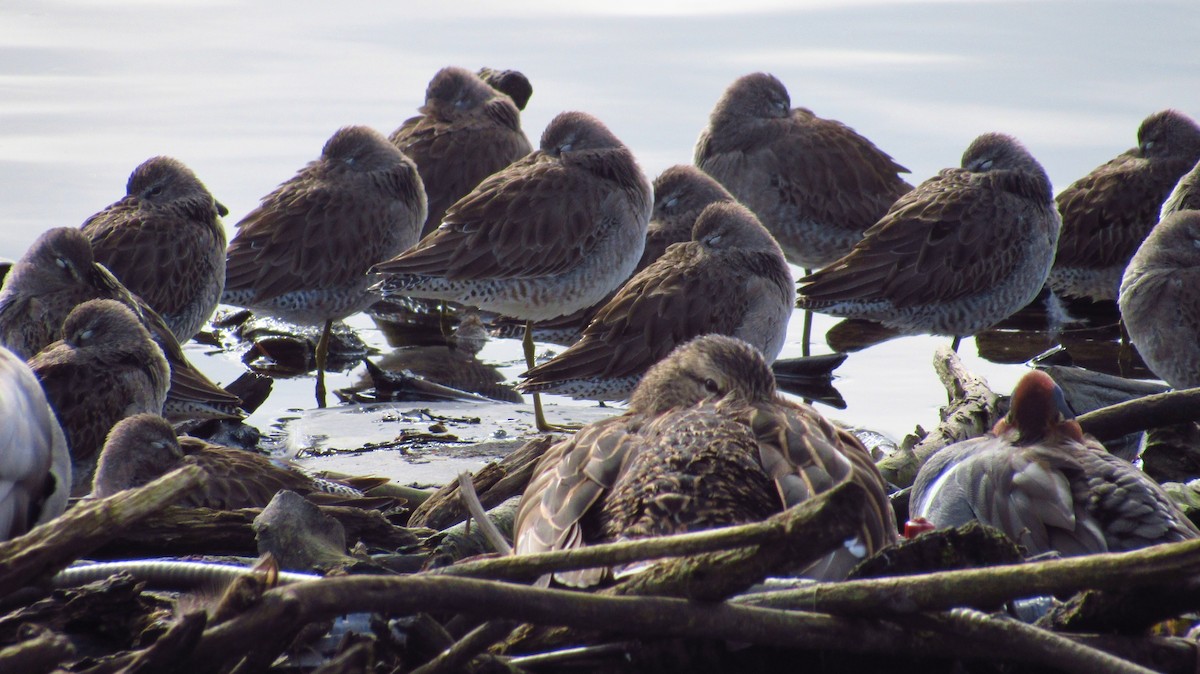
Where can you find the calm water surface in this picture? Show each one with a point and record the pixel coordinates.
(247, 94)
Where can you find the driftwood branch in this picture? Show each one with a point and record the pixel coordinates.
(1152, 411)
(52, 546)
(1161, 564)
(289, 607)
(971, 412)
(40, 653)
(204, 531)
(815, 513)
(1026, 643)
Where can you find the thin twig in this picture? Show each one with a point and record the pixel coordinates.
(466, 492)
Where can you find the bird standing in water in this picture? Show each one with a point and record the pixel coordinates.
(964, 250)
(553, 233)
(303, 254)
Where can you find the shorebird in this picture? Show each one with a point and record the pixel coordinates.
(815, 183)
(730, 279)
(706, 441)
(1185, 196)
(303, 254)
(510, 82)
(166, 243)
(965, 249)
(1160, 299)
(467, 130)
(58, 273)
(553, 233)
(143, 447)
(1046, 485)
(1107, 213)
(104, 369)
(35, 466)
(680, 193)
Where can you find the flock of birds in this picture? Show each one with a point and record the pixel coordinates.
(674, 295)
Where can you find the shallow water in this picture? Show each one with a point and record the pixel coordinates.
(245, 94)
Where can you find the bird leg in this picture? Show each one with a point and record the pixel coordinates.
(806, 334)
(322, 354)
(527, 344)
(954, 344)
(538, 415)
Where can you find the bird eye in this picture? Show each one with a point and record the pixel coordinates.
(670, 203)
(713, 239)
(62, 263)
(1147, 145)
(711, 386)
(565, 147)
(155, 191)
(985, 165)
(85, 335)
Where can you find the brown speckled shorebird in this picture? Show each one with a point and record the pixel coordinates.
(814, 183)
(166, 243)
(1040, 480)
(466, 131)
(35, 466)
(730, 279)
(680, 193)
(706, 442)
(551, 234)
(1185, 196)
(1160, 299)
(965, 249)
(104, 369)
(58, 273)
(143, 447)
(1108, 212)
(303, 254)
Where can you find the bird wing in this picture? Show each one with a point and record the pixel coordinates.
(922, 249)
(514, 225)
(567, 483)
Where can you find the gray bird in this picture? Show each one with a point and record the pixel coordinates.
(58, 273)
(553, 233)
(680, 193)
(964, 250)
(1160, 299)
(104, 369)
(303, 254)
(1107, 213)
(467, 130)
(730, 279)
(1185, 196)
(35, 466)
(815, 183)
(1045, 484)
(166, 243)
